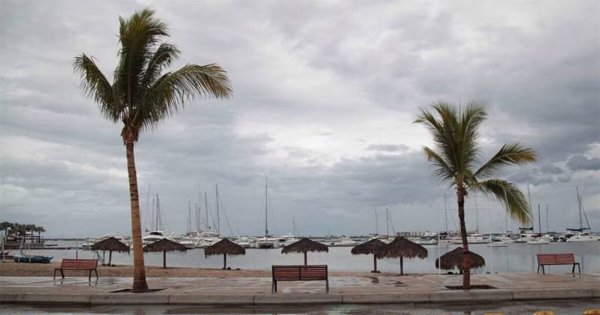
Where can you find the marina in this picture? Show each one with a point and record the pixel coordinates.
(514, 257)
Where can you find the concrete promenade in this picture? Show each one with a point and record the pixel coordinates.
(356, 289)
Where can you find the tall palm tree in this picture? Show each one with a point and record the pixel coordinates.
(456, 158)
(140, 96)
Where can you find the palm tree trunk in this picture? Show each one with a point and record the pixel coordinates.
(139, 271)
(461, 192)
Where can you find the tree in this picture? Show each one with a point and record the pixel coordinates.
(140, 96)
(457, 153)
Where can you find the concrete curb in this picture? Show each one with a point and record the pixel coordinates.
(552, 294)
(473, 296)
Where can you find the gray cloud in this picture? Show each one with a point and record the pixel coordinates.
(579, 162)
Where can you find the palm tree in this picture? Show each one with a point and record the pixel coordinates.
(457, 153)
(140, 96)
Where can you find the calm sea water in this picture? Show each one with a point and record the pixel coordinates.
(513, 258)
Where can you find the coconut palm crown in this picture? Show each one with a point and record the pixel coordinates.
(141, 95)
(456, 159)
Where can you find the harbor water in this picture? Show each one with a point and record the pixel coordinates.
(517, 257)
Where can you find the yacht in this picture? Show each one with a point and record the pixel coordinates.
(152, 237)
(583, 237)
(477, 239)
(266, 242)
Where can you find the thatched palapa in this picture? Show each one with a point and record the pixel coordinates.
(224, 247)
(454, 259)
(401, 247)
(303, 246)
(367, 248)
(165, 245)
(110, 244)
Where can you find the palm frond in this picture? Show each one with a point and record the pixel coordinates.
(507, 155)
(509, 195)
(443, 170)
(173, 89)
(164, 55)
(138, 36)
(468, 134)
(96, 86)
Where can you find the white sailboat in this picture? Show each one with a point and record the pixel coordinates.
(267, 241)
(581, 234)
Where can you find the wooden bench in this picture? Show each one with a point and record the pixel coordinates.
(299, 273)
(557, 259)
(78, 264)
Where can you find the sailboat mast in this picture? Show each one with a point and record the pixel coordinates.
(266, 210)
(446, 215)
(530, 211)
(376, 223)
(539, 220)
(206, 211)
(218, 214)
(387, 223)
(579, 206)
(547, 220)
(158, 219)
(189, 221)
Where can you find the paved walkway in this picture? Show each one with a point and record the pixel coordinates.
(362, 288)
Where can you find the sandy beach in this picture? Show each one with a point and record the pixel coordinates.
(12, 269)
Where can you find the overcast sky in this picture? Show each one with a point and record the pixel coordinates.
(325, 93)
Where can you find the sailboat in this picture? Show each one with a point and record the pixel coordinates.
(267, 241)
(581, 234)
(157, 233)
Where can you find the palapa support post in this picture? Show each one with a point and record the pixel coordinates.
(164, 259)
(109, 257)
(401, 266)
(224, 261)
(374, 263)
(305, 260)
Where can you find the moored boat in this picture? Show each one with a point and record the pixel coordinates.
(34, 259)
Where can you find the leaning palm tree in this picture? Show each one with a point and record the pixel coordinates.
(457, 155)
(141, 95)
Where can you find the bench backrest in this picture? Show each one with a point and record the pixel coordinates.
(556, 259)
(299, 272)
(68, 263)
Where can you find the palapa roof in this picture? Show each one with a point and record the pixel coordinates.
(224, 246)
(369, 247)
(402, 247)
(305, 245)
(165, 245)
(110, 244)
(454, 258)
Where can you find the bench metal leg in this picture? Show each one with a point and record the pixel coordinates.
(327, 285)
(274, 287)
(578, 268)
(543, 270)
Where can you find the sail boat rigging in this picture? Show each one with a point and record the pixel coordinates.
(267, 241)
(581, 234)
